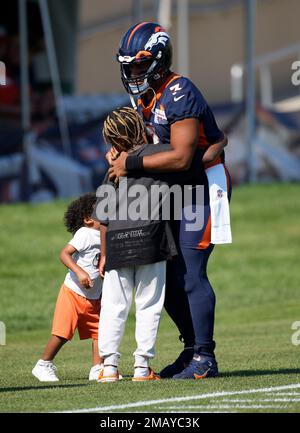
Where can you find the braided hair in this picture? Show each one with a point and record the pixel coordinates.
(123, 129)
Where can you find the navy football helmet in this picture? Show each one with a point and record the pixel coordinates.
(145, 56)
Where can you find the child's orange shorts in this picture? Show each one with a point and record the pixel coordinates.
(72, 312)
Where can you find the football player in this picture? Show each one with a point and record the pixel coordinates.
(176, 112)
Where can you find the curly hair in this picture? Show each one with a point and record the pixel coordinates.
(123, 129)
(79, 209)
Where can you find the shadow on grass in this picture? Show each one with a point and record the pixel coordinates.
(249, 373)
(30, 388)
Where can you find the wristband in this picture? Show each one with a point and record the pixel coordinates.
(134, 163)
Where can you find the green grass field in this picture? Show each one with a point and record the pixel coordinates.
(257, 284)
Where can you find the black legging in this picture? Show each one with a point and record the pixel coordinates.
(190, 299)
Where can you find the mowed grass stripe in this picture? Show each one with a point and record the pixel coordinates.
(186, 398)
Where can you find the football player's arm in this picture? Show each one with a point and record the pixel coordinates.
(214, 150)
(184, 137)
(68, 261)
(215, 137)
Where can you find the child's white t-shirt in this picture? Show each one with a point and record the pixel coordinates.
(87, 243)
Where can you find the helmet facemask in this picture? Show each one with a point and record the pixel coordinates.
(140, 83)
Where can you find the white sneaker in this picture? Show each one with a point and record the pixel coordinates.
(143, 377)
(109, 374)
(44, 371)
(95, 371)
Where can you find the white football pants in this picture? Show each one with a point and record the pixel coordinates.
(117, 293)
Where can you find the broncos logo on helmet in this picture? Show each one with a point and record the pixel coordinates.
(157, 38)
(145, 56)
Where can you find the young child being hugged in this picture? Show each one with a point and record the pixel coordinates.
(78, 302)
(134, 255)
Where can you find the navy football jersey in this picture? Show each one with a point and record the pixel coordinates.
(179, 99)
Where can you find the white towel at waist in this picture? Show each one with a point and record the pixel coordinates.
(219, 205)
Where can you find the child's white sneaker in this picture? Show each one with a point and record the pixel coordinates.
(95, 371)
(44, 371)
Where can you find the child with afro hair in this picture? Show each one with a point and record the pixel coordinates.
(78, 302)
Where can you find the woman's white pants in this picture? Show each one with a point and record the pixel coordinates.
(117, 293)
